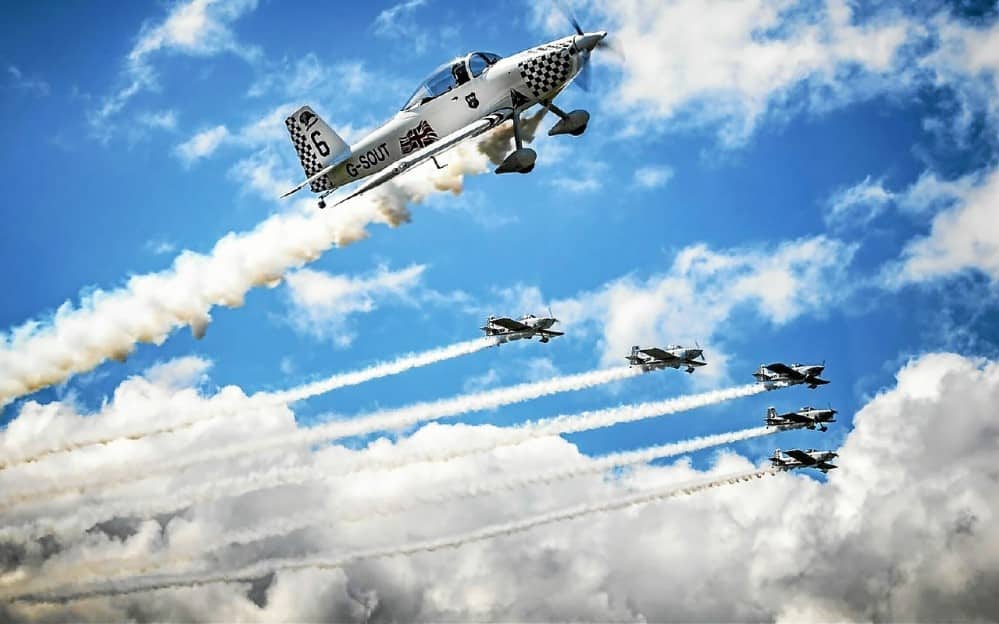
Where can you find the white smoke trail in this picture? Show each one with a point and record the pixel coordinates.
(85, 517)
(254, 571)
(235, 407)
(390, 505)
(385, 420)
(149, 307)
(383, 369)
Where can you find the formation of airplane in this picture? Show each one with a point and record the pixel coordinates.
(793, 459)
(467, 97)
(506, 329)
(461, 99)
(805, 418)
(778, 375)
(673, 356)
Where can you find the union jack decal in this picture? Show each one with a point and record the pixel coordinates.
(419, 137)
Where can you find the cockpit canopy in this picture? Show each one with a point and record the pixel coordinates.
(449, 76)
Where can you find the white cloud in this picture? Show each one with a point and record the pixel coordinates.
(163, 120)
(902, 531)
(179, 373)
(160, 247)
(965, 61)
(701, 294)
(730, 63)
(396, 22)
(321, 303)
(309, 77)
(859, 204)
(202, 144)
(20, 82)
(962, 237)
(193, 27)
(586, 177)
(653, 177)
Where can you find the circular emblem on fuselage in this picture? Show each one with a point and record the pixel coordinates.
(471, 100)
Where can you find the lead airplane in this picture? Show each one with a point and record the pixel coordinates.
(505, 329)
(805, 418)
(461, 99)
(811, 458)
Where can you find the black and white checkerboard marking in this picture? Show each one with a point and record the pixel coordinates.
(307, 155)
(544, 72)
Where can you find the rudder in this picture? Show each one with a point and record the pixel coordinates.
(316, 144)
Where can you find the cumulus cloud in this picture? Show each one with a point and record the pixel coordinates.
(963, 237)
(321, 303)
(901, 531)
(701, 293)
(730, 64)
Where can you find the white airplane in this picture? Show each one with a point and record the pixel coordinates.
(460, 100)
(673, 356)
(778, 375)
(506, 329)
(805, 418)
(811, 458)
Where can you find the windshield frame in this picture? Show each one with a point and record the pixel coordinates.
(425, 94)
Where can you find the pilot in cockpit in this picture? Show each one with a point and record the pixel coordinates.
(459, 72)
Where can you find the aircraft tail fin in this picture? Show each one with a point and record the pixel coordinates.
(317, 145)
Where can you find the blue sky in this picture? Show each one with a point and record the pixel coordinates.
(122, 193)
(758, 170)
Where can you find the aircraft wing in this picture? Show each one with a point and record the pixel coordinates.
(693, 362)
(784, 369)
(659, 354)
(801, 456)
(550, 332)
(472, 130)
(509, 323)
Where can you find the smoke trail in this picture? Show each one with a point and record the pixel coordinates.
(116, 567)
(84, 518)
(233, 407)
(384, 420)
(149, 307)
(383, 369)
(257, 570)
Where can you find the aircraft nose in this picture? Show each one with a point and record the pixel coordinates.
(590, 40)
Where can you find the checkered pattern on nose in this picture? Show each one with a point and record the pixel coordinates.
(307, 156)
(544, 72)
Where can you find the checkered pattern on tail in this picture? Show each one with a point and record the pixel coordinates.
(544, 72)
(307, 155)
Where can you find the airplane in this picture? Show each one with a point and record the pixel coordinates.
(778, 375)
(673, 356)
(506, 329)
(790, 460)
(461, 99)
(805, 418)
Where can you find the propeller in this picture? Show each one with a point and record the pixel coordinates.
(583, 78)
(552, 316)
